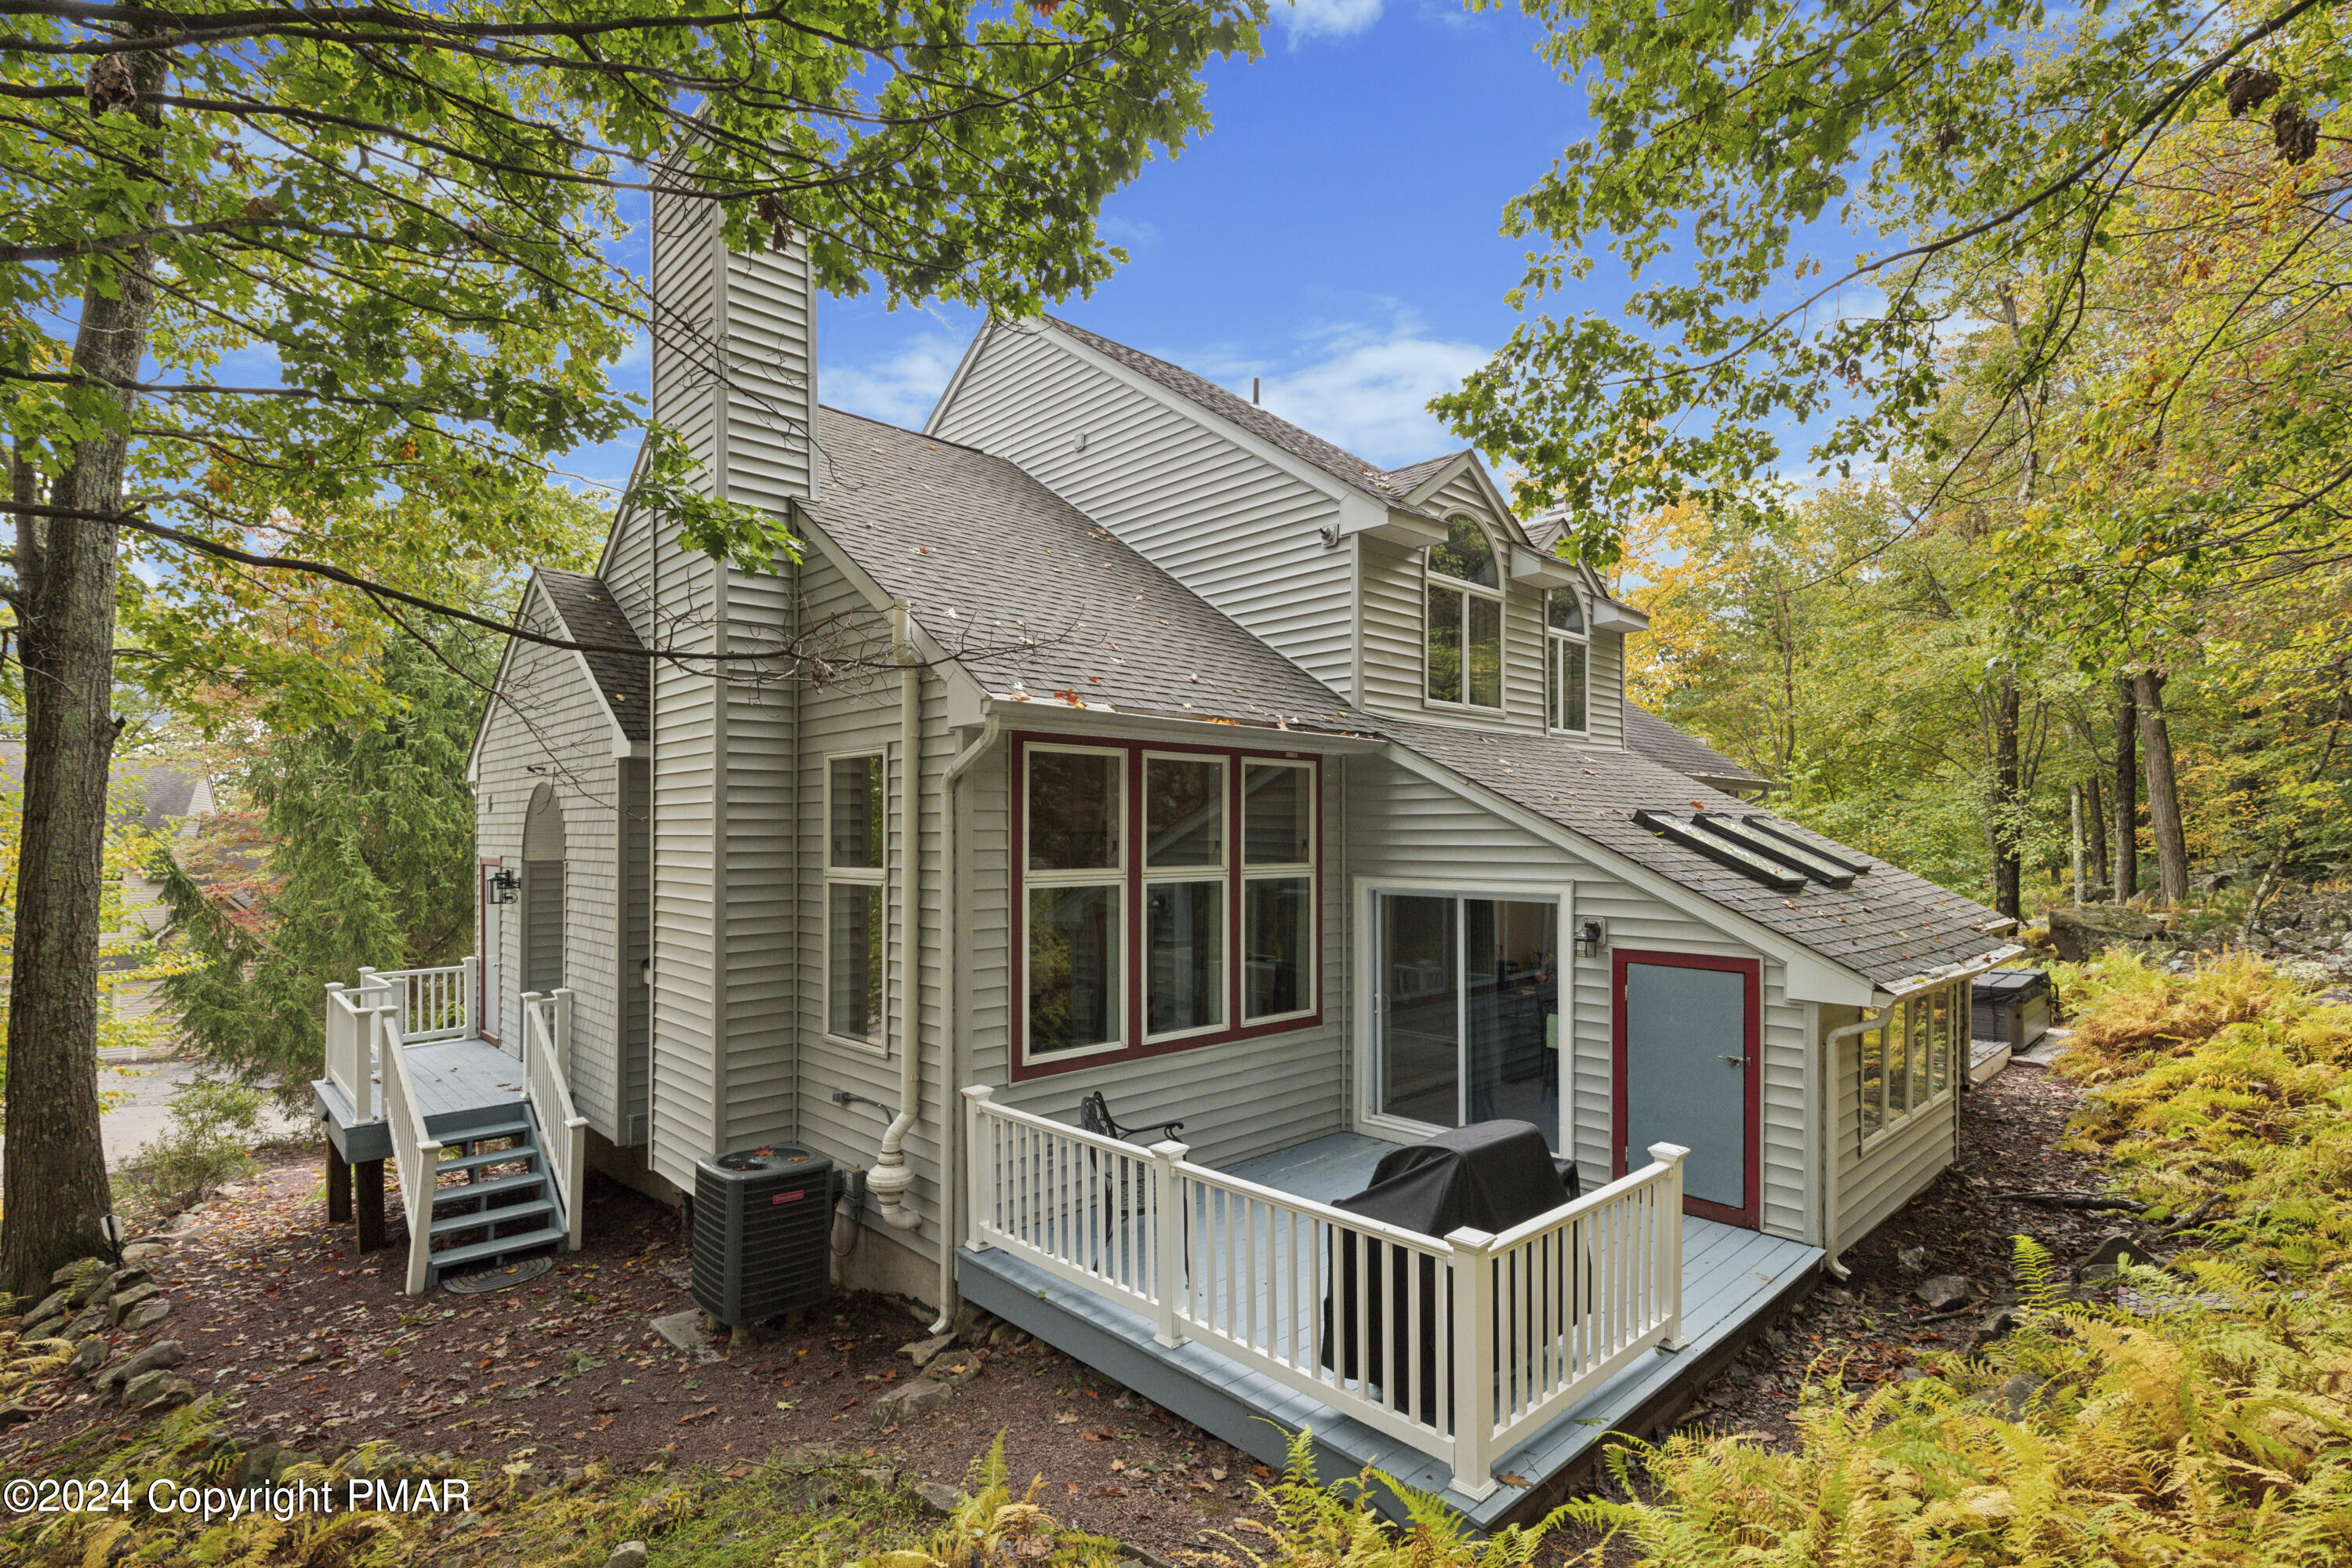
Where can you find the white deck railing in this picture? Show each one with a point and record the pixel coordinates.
(415, 1153)
(1460, 1347)
(563, 1131)
(435, 1003)
(353, 1031)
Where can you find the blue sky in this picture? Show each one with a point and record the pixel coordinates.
(1334, 234)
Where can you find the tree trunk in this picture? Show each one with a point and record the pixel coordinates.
(2007, 869)
(56, 1186)
(2094, 805)
(2163, 794)
(2126, 791)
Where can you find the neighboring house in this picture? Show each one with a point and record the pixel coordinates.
(1220, 773)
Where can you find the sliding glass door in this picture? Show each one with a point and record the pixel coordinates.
(1467, 1011)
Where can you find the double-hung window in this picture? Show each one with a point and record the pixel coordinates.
(1913, 1059)
(1565, 661)
(853, 899)
(1167, 899)
(1463, 638)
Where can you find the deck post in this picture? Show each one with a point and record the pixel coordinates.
(980, 1155)
(1473, 1362)
(562, 995)
(473, 998)
(1670, 1239)
(1168, 1228)
(338, 1185)
(369, 1203)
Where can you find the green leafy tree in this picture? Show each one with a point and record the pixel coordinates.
(412, 212)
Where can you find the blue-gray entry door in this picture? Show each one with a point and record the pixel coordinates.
(1689, 1069)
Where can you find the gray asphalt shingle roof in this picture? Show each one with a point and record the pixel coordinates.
(1033, 598)
(1684, 752)
(591, 615)
(1889, 926)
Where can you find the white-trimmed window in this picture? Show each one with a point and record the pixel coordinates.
(1463, 633)
(1278, 839)
(1074, 955)
(1566, 662)
(1913, 1059)
(854, 877)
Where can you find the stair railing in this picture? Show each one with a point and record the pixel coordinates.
(415, 1154)
(563, 1132)
(350, 1052)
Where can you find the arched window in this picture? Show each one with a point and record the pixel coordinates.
(542, 891)
(1463, 636)
(1566, 669)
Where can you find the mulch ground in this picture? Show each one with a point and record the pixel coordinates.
(311, 1345)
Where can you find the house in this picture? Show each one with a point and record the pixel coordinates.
(1113, 735)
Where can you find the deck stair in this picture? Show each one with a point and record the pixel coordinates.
(495, 1200)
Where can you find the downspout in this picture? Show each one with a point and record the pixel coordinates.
(950, 1020)
(891, 1176)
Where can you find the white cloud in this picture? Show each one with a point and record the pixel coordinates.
(1368, 386)
(1328, 18)
(1137, 235)
(900, 390)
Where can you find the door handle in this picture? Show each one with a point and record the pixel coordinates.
(1736, 1061)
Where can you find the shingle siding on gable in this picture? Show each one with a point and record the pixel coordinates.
(1234, 528)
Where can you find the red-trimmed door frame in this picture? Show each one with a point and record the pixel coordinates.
(1751, 1218)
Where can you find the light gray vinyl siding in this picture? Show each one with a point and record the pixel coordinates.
(548, 715)
(1899, 1163)
(1236, 529)
(1236, 1099)
(636, 949)
(1403, 827)
(768, 325)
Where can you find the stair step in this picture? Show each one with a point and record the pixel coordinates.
(458, 1257)
(495, 1184)
(488, 1157)
(506, 1214)
(478, 1134)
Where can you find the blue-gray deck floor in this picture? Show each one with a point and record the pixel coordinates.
(459, 1084)
(1733, 1280)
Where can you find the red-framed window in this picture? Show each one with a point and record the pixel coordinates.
(1164, 897)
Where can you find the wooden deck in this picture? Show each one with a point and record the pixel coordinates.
(1734, 1282)
(459, 1084)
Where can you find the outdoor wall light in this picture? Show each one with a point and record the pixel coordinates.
(503, 886)
(1592, 936)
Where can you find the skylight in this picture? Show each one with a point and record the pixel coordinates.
(1778, 849)
(1722, 851)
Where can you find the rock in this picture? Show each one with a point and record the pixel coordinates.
(143, 1391)
(144, 1251)
(917, 1396)
(1945, 1291)
(690, 1331)
(1992, 1326)
(163, 1352)
(258, 1462)
(523, 1480)
(146, 1315)
(2080, 933)
(2304, 972)
(114, 1284)
(88, 1356)
(1913, 1375)
(172, 1392)
(52, 1305)
(89, 1284)
(939, 1497)
(46, 1327)
(88, 1320)
(2017, 1395)
(2100, 1262)
(120, 1304)
(1914, 1259)
(73, 1272)
(308, 1354)
(923, 1350)
(629, 1554)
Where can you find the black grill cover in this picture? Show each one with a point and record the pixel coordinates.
(1488, 1176)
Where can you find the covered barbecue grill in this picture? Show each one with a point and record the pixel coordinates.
(1488, 1176)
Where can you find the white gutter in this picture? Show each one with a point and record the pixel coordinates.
(950, 1032)
(1830, 1042)
(891, 1176)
